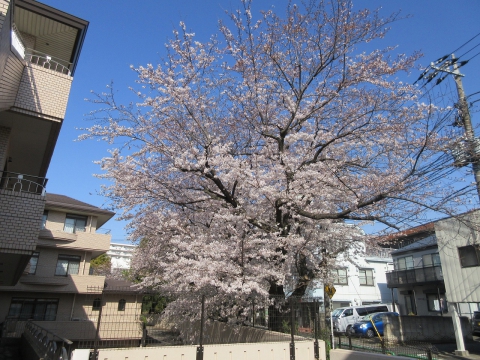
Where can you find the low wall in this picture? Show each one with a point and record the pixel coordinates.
(276, 351)
(425, 328)
(340, 354)
(221, 333)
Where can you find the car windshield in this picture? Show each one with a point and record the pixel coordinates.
(368, 317)
(337, 312)
(477, 316)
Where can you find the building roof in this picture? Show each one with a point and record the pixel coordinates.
(429, 241)
(66, 203)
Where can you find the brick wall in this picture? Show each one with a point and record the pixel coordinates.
(4, 136)
(43, 93)
(3, 12)
(20, 217)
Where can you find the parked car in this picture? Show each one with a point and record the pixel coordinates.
(365, 326)
(344, 318)
(476, 322)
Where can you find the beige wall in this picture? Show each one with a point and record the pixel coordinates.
(43, 93)
(260, 351)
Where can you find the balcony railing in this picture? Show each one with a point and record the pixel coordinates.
(415, 276)
(23, 183)
(48, 62)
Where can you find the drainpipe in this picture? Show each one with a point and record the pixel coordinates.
(393, 302)
(439, 303)
(415, 301)
(73, 304)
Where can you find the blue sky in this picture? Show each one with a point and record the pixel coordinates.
(126, 32)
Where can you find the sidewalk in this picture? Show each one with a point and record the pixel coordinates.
(447, 351)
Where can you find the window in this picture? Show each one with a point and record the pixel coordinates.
(67, 265)
(44, 219)
(435, 304)
(75, 223)
(340, 277)
(366, 277)
(36, 309)
(32, 269)
(121, 305)
(97, 304)
(404, 263)
(469, 255)
(431, 260)
(361, 311)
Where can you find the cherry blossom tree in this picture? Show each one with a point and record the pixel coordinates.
(248, 158)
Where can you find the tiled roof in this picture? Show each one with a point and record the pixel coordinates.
(68, 202)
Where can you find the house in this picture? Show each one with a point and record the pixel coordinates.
(56, 289)
(359, 277)
(437, 269)
(417, 273)
(121, 255)
(39, 51)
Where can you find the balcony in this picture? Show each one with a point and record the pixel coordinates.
(48, 62)
(91, 241)
(415, 276)
(45, 277)
(22, 183)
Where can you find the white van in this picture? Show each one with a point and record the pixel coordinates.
(344, 318)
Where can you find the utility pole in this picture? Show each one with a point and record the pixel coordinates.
(471, 142)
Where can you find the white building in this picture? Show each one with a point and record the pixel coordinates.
(121, 255)
(360, 278)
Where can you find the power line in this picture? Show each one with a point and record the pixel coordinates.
(465, 43)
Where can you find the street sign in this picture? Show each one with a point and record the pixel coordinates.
(330, 290)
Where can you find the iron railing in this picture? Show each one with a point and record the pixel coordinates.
(46, 343)
(48, 62)
(415, 276)
(411, 349)
(23, 183)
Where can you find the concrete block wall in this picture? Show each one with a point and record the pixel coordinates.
(43, 93)
(20, 217)
(424, 328)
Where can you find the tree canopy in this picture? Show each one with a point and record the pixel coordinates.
(248, 158)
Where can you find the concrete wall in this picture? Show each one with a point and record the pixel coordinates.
(340, 354)
(461, 284)
(43, 93)
(259, 351)
(424, 328)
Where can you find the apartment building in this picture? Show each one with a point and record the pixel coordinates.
(56, 289)
(39, 51)
(437, 264)
(121, 255)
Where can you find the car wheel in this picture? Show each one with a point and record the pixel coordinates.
(370, 333)
(349, 331)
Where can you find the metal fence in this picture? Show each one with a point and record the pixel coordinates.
(411, 349)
